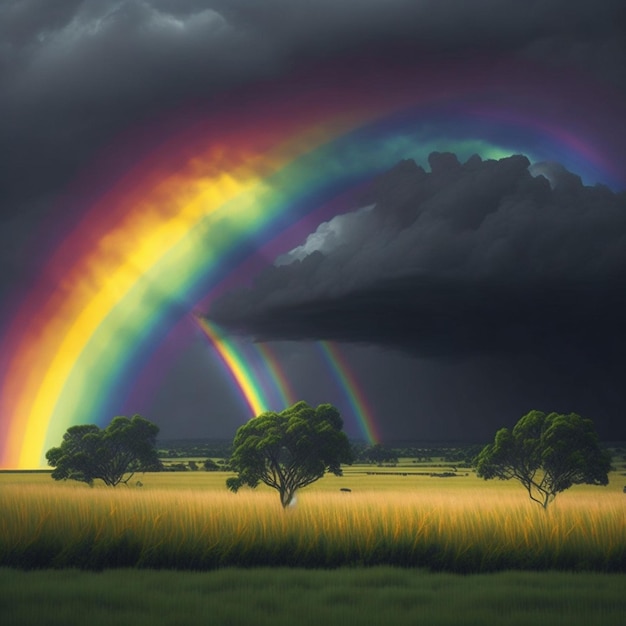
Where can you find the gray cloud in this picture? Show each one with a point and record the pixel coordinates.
(481, 257)
(73, 74)
(73, 83)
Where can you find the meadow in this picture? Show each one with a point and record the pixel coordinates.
(188, 520)
(287, 596)
(400, 549)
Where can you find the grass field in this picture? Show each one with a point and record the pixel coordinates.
(189, 521)
(283, 597)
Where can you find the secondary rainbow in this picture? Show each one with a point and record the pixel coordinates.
(256, 372)
(156, 240)
(248, 377)
(350, 387)
(286, 395)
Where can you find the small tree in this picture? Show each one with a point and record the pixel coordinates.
(123, 447)
(547, 454)
(289, 450)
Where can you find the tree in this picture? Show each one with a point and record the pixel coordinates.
(547, 454)
(289, 450)
(123, 447)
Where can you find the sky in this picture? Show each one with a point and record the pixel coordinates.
(434, 188)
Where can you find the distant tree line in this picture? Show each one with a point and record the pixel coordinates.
(461, 456)
(208, 465)
(184, 448)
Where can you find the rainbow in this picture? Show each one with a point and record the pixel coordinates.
(245, 380)
(286, 395)
(351, 389)
(161, 233)
(248, 377)
(261, 381)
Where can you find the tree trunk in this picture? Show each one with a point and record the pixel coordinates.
(286, 496)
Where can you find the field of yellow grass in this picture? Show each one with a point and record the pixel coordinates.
(190, 521)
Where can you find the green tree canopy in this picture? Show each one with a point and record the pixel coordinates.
(289, 450)
(547, 454)
(122, 448)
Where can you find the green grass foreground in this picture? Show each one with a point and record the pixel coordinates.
(283, 597)
(460, 525)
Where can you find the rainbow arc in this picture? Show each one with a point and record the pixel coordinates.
(148, 245)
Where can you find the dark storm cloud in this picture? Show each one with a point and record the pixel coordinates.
(442, 22)
(69, 85)
(73, 74)
(474, 258)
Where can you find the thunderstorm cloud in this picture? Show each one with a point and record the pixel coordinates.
(476, 257)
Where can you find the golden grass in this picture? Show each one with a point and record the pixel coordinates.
(191, 521)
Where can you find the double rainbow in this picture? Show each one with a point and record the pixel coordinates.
(216, 192)
(257, 380)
